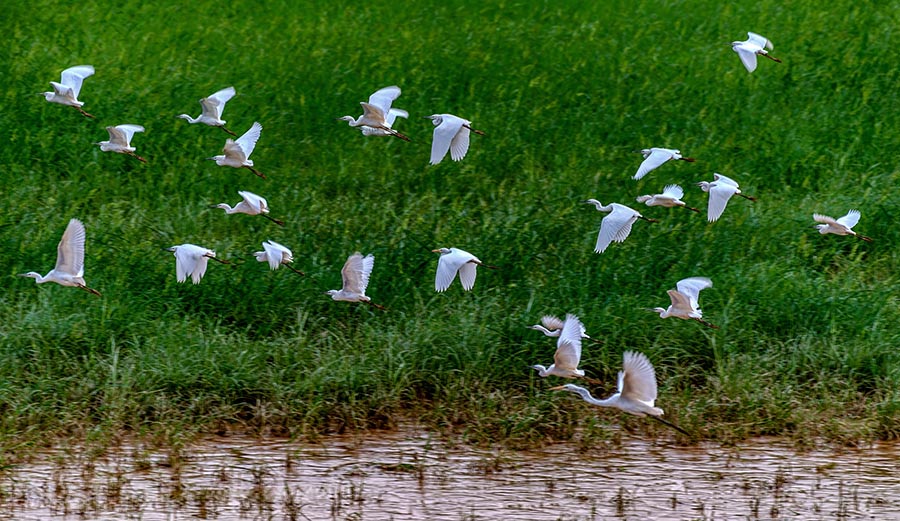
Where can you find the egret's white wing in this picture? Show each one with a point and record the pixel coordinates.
(748, 56)
(70, 250)
(824, 219)
(274, 253)
(673, 191)
(373, 115)
(624, 231)
(247, 142)
(356, 271)
(467, 274)
(383, 98)
(568, 347)
(727, 180)
(612, 227)
(719, 194)
(850, 219)
(760, 40)
(199, 269)
(657, 157)
(459, 145)
(639, 381)
(74, 76)
(122, 134)
(259, 204)
(448, 265)
(691, 288)
(680, 301)
(551, 322)
(186, 262)
(392, 116)
(443, 136)
(214, 104)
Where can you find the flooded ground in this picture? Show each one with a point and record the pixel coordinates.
(414, 475)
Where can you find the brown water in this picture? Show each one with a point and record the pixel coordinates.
(414, 475)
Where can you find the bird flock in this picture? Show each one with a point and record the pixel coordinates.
(636, 384)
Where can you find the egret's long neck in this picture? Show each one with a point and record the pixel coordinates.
(542, 371)
(609, 402)
(544, 330)
(34, 275)
(225, 206)
(188, 118)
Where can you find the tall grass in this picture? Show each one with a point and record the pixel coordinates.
(565, 92)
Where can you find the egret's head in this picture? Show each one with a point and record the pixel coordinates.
(331, 292)
(346, 118)
(172, 249)
(30, 275)
(224, 206)
(704, 185)
(435, 118)
(47, 95)
(442, 251)
(540, 369)
(567, 387)
(656, 310)
(643, 198)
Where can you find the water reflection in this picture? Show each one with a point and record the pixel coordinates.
(414, 475)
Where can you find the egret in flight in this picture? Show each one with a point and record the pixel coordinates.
(377, 112)
(616, 226)
(69, 270)
(276, 255)
(355, 276)
(389, 120)
(636, 390)
(120, 140)
(552, 326)
(453, 261)
(450, 133)
(753, 46)
(66, 91)
(568, 351)
(251, 204)
(655, 157)
(213, 105)
(720, 191)
(841, 226)
(684, 300)
(237, 151)
(670, 197)
(191, 259)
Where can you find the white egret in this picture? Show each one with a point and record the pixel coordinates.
(66, 91)
(685, 300)
(251, 204)
(192, 260)
(655, 157)
(841, 226)
(120, 140)
(237, 151)
(355, 277)
(720, 191)
(276, 255)
(749, 49)
(69, 269)
(670, 197)
(389, 120)
(616, 226)
(377, 111)
(552, 326)
(450, 133)
(454, 260)
(568, 351)
(636, 390)
(213, 105)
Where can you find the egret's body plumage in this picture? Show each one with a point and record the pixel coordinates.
(192, 260)
(636, 390)
(754, 46)
(552, 326)
(237, 151)
(568, 351)
(69, 269)
(251, 204)
(720, 191)
(69, 87)
(685, 300)
(655, 157)
(355, 278)
(841, 226)
(212, 107)
(451, 133)
(120, 140)
(453, 261)
(616, 226)
(276, 255)
(377, 114)
(669, 198)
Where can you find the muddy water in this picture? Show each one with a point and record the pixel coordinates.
(413, 475)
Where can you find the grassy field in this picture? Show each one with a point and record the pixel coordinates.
(809, 324)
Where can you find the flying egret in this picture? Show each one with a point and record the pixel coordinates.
(355, 278)
(670, 197)
(749, 49)
(684, 300)
(66, 91)
(376, 112)
(69, 269)
(454, 260)
(191, 259)
(120, 140)
(720, 191)
(552, 326)
(655, 157)
(568, 351)
(276, 255)
(617, 225)
(450, 133)
(251, 204)
(636, 390)
(213, 105)
(389, 120)
(237, 151)
(841, 226)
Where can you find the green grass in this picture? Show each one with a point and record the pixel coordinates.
(565, 92)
